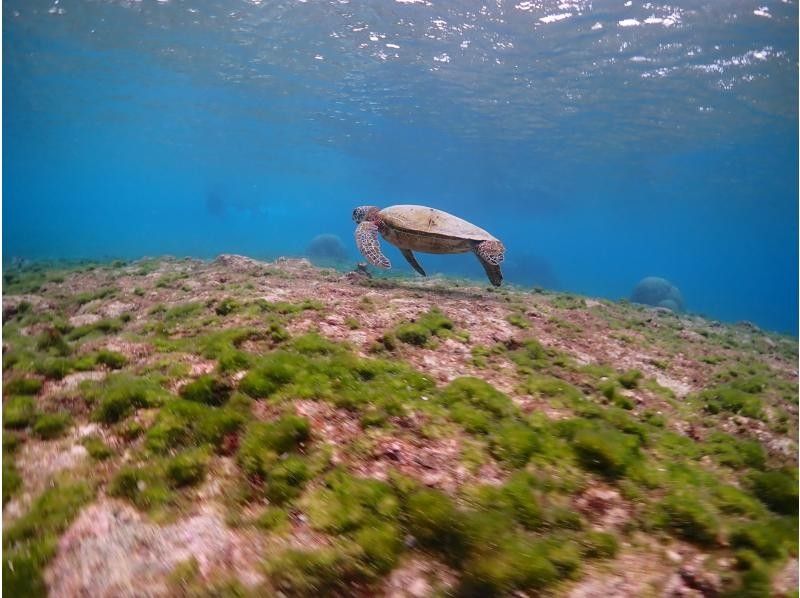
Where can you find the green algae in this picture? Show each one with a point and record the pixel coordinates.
(186, 424)
(99, 328)
(96, 448)
(719, 491)
(207, 389)
(186, 469)
(777, 489)
(227, 306)
(689, 517)
(421, 331)
(30, 541)
(22, 386)
(19, 412)
(120, 395)
(51, 425)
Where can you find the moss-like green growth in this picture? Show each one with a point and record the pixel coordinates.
(530, 356)
(30, 542)
(276, 332)
(346, 503)
(478, 394)
(777, 489)
(352, 323)
(735, 452)
(273, 519)
(12, 481)
(285, 479)
(732, 400)
(603, 449)
(89, 296)
(52, 342)
(554, 388)
(755, 583)
(182, 312)
(769, 539)
(326, 371)
(287, 308)
(22, 386)
(517, 500)
(226, 306)
(689, 517)
(568, 302)
(323, 571)
(96, 448)
(271, 374)
(130, 430)
(186, 424)
(112, 359)
(435, 321)
(516, 563)
(419, 332)
(19, 412)
(435, 522)
(51, 425)
(107, 326)
(412, 334)
(207, 389)
(145, 487)
(120, 395)
(186, 469)
(264, 442)
(630, 379)
(54, 367)
(315, 344)
(599, 545)
(518, 320)
(514, 443)
(222, 346)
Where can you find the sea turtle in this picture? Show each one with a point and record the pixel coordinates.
(419, 228)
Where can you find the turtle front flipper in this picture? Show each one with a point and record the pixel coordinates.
(369, 246)
(412, 260)
(490, 255)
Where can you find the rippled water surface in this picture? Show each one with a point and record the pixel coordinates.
(602, 141)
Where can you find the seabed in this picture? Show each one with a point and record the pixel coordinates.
(235, 427)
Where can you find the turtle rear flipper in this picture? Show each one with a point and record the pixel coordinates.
(369, 246)
(412, 260)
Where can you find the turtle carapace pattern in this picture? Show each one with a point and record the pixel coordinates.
(420, 228)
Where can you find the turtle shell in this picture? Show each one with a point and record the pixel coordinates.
(430, 221)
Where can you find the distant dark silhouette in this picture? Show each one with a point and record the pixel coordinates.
(658, 292)
(215, 205)
(326, 250)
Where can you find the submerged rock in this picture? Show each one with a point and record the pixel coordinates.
(658, 292)
(326, 249)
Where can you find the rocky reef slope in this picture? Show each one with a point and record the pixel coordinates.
(234, 428)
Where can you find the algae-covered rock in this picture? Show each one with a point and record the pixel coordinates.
(658, 292)
(326, 250)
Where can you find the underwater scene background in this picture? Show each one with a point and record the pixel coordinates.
(601, 141)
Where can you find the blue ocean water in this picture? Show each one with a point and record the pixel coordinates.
(601, 141)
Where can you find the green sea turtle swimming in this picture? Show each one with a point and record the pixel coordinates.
(419, 228)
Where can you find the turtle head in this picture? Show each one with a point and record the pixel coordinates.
(362, 213)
